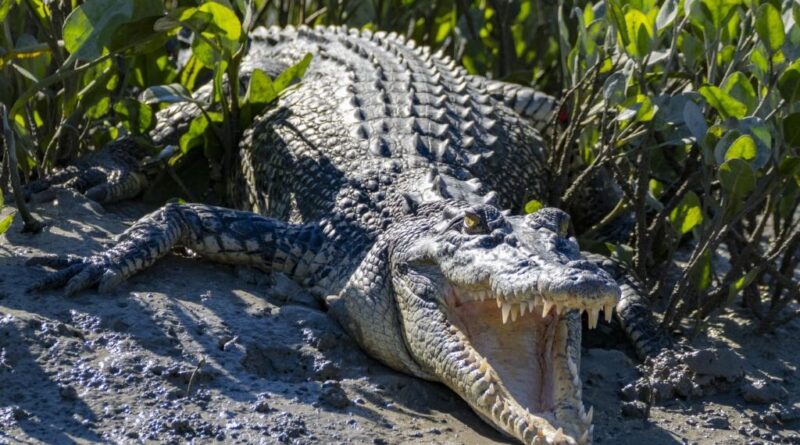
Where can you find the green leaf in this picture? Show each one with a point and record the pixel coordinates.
(789, 82)
(721, 101)
(5, 223)
(666, 14)
(744, 147)
(769, 27)
(640, 107)
(789, 166)
(260, 90)
(533, 206)
(619, 22)
(198, 131)
(740, 284)
(791, 129)
(695, 121)
(221, 38)
(292, 74)
(90, 27)
(5, 7)
(640, 30)
(738, 86)
(700, 276)
(614, 88)
(168, 94)
(737, 178)
(135, 116)
(687, 214)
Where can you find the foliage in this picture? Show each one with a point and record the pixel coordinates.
(691, 106)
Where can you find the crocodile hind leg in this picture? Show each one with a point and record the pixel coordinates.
(115, 173)
(217, 233)
(633, 310)
(112, 174)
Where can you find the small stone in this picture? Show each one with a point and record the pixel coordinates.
(67, 392)
(333, 395)
(717, 423)
(262, 406)
(761, 391)
(722, 363)
(629, 393)
(635, 409)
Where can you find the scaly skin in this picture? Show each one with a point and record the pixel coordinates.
(391, 166)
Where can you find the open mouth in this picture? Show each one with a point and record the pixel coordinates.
(528, 350)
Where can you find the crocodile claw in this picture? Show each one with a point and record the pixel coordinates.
(76, 273)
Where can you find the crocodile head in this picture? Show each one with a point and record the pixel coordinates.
(490, 305)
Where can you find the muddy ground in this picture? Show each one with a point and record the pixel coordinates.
(193, 350)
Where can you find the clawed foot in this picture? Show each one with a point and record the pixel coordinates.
(75, 273)
(112, 174)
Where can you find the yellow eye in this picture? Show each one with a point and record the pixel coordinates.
(471, 221)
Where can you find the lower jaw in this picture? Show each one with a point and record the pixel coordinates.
(527, 365)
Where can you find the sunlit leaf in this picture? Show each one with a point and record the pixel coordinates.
(769, 27)
(292, 74)
(640, 31)
(221, 38)
(687, 214)
(168, 94)
(198, 132)
(666, 14)
(5, 223)
(721, 101)
(738, 86)
(533, 206)
(744, 147)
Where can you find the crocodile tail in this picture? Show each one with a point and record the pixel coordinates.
(633, 309)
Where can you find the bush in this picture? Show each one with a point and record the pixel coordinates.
(690, 106)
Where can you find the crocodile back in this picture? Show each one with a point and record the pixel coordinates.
(374, 117)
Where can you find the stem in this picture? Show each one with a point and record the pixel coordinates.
(31, 224)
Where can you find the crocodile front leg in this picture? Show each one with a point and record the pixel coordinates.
(217, 233)
(633, 309)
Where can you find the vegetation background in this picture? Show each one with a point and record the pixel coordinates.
(690, 106)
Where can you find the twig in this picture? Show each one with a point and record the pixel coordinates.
(200, 364)
(31, 224)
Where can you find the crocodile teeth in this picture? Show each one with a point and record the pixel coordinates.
(499, 303)
(531, 305)
(588, 419)
(483, 365)
(594, 314)
(584, 438)
(546, 305)
(506, 311)
(608, 308)
(522, 307)
(513, 313)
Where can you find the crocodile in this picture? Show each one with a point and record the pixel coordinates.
(386, 182)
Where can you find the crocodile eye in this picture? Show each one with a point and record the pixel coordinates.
(473, 223)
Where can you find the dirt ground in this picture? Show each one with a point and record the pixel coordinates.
(190, 350)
